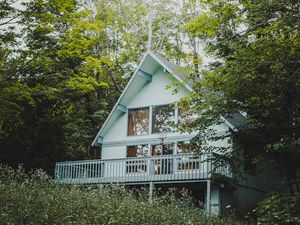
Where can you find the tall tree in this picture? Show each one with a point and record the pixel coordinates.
(257, 46)
(54, 96)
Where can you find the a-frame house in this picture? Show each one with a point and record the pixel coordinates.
(140, 147)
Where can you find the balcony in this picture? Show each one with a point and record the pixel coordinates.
(163, 169)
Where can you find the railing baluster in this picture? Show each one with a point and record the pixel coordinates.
(159, 168)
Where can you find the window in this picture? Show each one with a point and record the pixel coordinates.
(162, 117)
(137, 151)
(187, 147)
(138, 121)
(249, 163)
(188, 162)
(250, 167)
(186, 116)
(163, 165)
(134, 165)
(165, 149)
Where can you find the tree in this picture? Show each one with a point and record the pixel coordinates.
(53, 97)
(257, 46)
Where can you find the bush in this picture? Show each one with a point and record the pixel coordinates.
(279, 210)
(35, 199)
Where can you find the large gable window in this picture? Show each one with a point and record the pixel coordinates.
(162, 118)
(138, 121)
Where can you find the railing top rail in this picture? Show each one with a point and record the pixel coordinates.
(204, 154)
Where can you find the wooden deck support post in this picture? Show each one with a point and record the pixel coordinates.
(208, 196)
(151, 187)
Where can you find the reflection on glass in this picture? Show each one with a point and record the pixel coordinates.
(187, 147)
(138, 121)
(163, 165)
(188, 162)
(162, 117)
(166, 149)
(137, 151)
(136, 166)
(186, 116)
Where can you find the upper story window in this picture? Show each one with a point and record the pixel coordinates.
(162, 117)
(184, 116)
(138, 121)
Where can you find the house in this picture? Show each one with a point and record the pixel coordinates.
(139, 147)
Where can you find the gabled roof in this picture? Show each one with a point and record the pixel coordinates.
(142, 75)
(235, 121)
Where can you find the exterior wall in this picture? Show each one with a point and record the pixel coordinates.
(246, 194)
(246, 198)
(114, 152)
(153, 93)
(215, 202)
(253, 188)
(221, 130)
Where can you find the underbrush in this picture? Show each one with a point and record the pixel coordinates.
(35, 199)
(279, 209)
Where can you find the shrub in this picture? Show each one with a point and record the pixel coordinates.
(35, 199)
(279, 210)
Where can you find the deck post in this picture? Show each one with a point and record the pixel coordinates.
(151, 187)
(208, 196)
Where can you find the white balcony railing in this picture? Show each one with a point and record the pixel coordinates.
(181, 167)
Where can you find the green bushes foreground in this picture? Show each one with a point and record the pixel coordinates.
(35, 199)
(279, 210)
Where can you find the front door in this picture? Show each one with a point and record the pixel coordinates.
(162, 165)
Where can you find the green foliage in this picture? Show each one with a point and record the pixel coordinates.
(255, 45)
(204, 26)
(63, 68)
(35, 199)
(53, 87)
(279, 210)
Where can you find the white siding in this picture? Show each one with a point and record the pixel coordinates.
(155, 92)
(113, 152)
(221, 130)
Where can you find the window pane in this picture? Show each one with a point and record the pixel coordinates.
(188, 162)
(186, 116)
(166, 149)
(187, 147)
(137, 151)
(138, 121)
(162, 117)
(136, 165)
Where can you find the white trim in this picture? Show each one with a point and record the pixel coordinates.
(121, 96)
(148, 53)
(170, 70)
(229, 124)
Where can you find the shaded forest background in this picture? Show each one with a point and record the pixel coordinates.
(63, 65)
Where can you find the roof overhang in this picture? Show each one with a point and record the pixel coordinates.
(149, 64)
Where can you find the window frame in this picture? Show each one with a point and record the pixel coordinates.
(174, 106)
(149, 125)
(176, 116)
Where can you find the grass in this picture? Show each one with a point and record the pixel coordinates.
(35, 199)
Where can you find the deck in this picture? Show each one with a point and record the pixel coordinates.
(168, 168)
